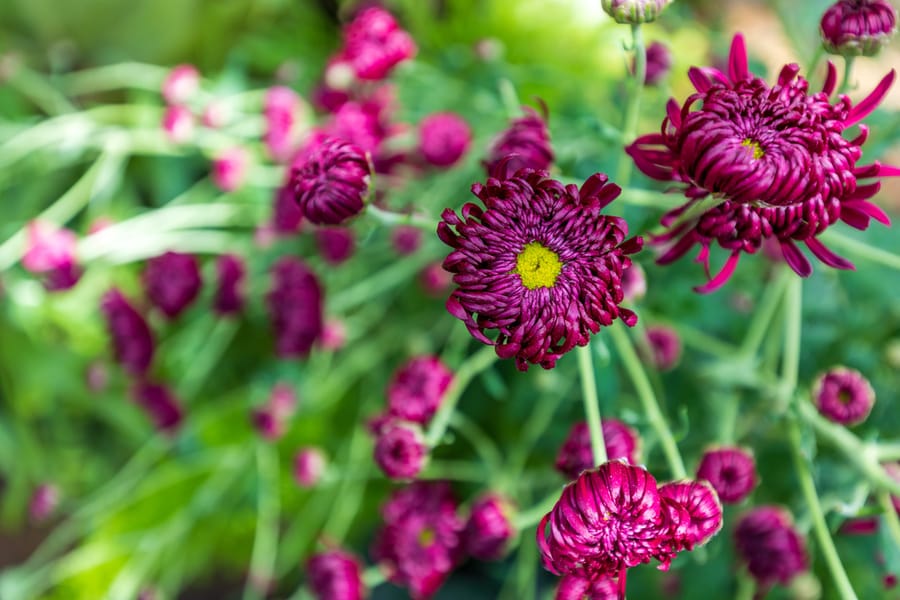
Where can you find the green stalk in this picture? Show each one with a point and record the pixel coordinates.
(888, 451)
(891, 520)
(532, 516)
(265, 540)
(848, 70)
(862, 250)
(387, 217)
(633, 110)
(473, 365)
(591, 403)
(765, 312)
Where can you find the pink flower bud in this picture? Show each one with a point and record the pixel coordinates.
(181, 84)
(334, 335)
(230, 169)
(44, 501)
(178, 123)
(400, 450)
(282, 111)
(160, 405)
(767, 542)
(309, 466)
(417, 389)
(335, 575)
(406, 239)
(172, 282)
(443, 139)
(843, 396)
(665, 347)
(730, 470)
(335, 244)
(489, 529)
(50, 252)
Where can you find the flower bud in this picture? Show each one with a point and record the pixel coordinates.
(133, 343)
(634, 11)
(730, 470)
(770, 546)
(178, 124)
(309, 466)
(331, 184)
(172, 282)
(858, 27)
(417, 389)
(229, 297)
(335, 575)
(160, 404)
(400, 450)
(843, 396)
(489, 528)
(443, 139)
(229, 169)
(181, 84)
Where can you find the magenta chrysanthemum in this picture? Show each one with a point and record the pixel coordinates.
(664, 345)
(172, 282)
(331, 182)
(295, 307)
(659, 63)
(774, 160)
(844, 396)
(730, 470)
(133, 343)
(159, 403)
(489, 528)
(335, 575)
(229, 296)
(572, 587)
(443, 138)
(858, 27)
(417, 389)
(374, 43)
(575, 455)
(400, 450)
(768, 544)
(524, 144)
(539, 263)
(703, 506)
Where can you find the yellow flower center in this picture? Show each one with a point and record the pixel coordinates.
(426, 537)
(538, 266)
(757, 151)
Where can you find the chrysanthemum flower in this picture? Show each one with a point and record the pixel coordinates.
(335, 575)
(664, 345)
(575, 455)
(335, 244)
(703, 506)
(858, 27)
(634, 11)
(417, 389)
(374, 44)
(295, 307)
(331, 182)
(772, 157)
(180, 85)
(400, 450)
(172, 282)
(309, 466)
(282, 109)
(489, 528)
(572, 587)
(843, 395)
(159, 403)
(539, 263)
(443, 138)
(730, 470)
(133, 342)
(768, 544)
(524, 144)
(229, 297)
(659, 63)
(50, 252)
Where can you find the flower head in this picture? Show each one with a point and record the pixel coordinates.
(172, 282)
(525, 143)
(178, 124)
(858, 27)
(730, 470)
(773, 158)
(43, 501)
(703, 507)
(295, 307)
(634, 11)
(443, 138)
(336, 244)
(768, 544)
(309, 466)
(230, 167)
(665, 347)
(50, 251)
(133, 343)
(573, 587)
(659, 63)
(575, 455)
(332, 181)
(180, 85)
(374, 44)
(229, 297)
(282, 108)
(634, 283)
(159, 403)
(843, 395)
(489, 528)
(287, 217)
(335, 575)
(417, 389)
(406, 239)
(400, 450)
(540, 264)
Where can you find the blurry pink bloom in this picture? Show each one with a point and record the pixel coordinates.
(335, 575)
(400, 450)
(181, 84)
(282, 109)
(43, 501)
(406, 239)
(97, 376)
(435, 280)
(283, 400)
(309, 466)
(172, 282)
(443, 138)
(334, 335)
(374, 44)
(229, 296)
(665, 347)
(336, 244)
(634, 283)
(230, 169)
(417, 389)
(160, 405)
(50, 251)
(267, 423)
(287, 218)
(178, 124)
(216, 115)
(730, 470)
(490, 527)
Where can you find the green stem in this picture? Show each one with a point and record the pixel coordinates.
(388, 217)
(591, 403)
(484, 446)
(848, 71)
(36, 88)
(531, 517)
(385, 279)
(746, 587)
(114, 77)
(537, 423)
(820, 527)
(623, 173)
(265, 541)
(765, 312)
(891, 520)
(473, 365)
(814, 61)
(644, 390)
(888, 451)
(862, 250)
(793, 318)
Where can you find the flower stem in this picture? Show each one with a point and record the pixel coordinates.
(793, 317)
(591, 403)
(762, 319)
(473, 365)
(862, 250)
(848, 71)
(891, 520)
(265, 541)
(645, 393)
(623, 173)
(387, 217)
(532, 516)
(888, 451)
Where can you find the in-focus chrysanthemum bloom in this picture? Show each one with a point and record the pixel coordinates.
(43, 501)
(374, 43)
(335, 244)
(229, 295)
(664, 345)
(406, 239)
(159, 403)
(400, 450)
(525, 143)
(540, 264)
(172, 282)
(178, 124)
(609, 519)
(50, 252)
(282, 109)
(659, 63)
(133, 342)
(230, 167)
(489, 528)
(295, 307)
(335, 575)
(730, 470)
(770, 546)
(572, 587)
(575, 455)
(420, 542)
(443, 138)
(703, 506)
(309, 466)
(634, 11)
(332, 182)
(774, 160)
(417, 389)
(858, 27)
(180, 85)
(843, 395)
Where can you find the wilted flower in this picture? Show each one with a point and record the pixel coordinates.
(133, 343)
(489, 528)
(417, 389)
(730, 470)
(774, 160)
(768, 544)
(336, 244)
(843, 395)
(858, 27)
(50, 251)
(281, 109)
(335, 575)
(540, 264)
(295, 307)
(230, 168)
(575, 455)
(659, 63)
(400, 450)
(178, 124)
(406, 239)
(331, 184)
(159, 403)
(525, 143)
(443, 138)
(634, 11)
(374, 44)
(180, 85)
(43, 502)
(664, 345)
(172, 282)
(309, 466)
(229, 297)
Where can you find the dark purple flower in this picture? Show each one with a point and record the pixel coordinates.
(50, 252)
(525, 143)
(267, 423)
(336, 244)
(133, 342)
(159, 403)
(400, 450)
(774, 160)
(417, 389)
(730, 470)
(374, 44)
(489, 528)
(443, 138)
(572, 587)
(664, 345)
(659, 63)
(295, 307)
(843, 395)
(331, 184)
(858, 27)
(172, 282)
(768, 544)
(229, 297)
(575, 455)
(634, 11)
(703, 506)
(286, 214)
(540, 264)
(335, 575)
(434, 279)
(406, 239)
(420, 542)
(309, 466)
